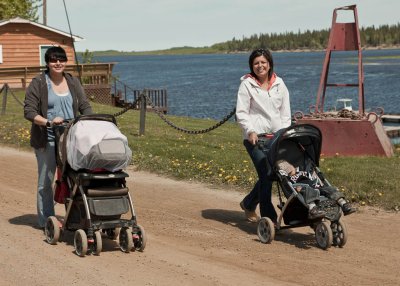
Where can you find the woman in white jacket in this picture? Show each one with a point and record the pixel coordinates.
(263, 106)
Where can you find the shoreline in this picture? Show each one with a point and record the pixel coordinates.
(192, 51)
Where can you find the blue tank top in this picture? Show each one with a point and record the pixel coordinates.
(59, 105)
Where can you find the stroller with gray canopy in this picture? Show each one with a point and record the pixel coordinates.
(91, 156)
(300, 145)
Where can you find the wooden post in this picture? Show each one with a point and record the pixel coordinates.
(143, 107)
(3, 106)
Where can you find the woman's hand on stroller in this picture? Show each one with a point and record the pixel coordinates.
(253, 138)
(57, 121)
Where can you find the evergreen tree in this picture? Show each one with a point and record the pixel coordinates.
(26, 9)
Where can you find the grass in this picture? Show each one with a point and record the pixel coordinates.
(219, 157)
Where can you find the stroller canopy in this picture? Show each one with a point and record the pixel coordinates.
(295, 144)
(94, 142)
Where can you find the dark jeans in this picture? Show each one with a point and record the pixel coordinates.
(331, 192)
(262, 190)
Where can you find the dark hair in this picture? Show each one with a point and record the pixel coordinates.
(267, 54)
(56, 53)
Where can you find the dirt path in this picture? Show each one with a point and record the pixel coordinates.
(196, 236)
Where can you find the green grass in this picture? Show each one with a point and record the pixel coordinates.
(219, 157)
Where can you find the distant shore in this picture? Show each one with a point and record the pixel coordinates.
(197, 51)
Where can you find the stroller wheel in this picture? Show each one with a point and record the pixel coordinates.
(339, 232)
(323, 235)
(266, 230)
(125, 239)
(52, 230)
(80, 242)
(98, 243)
(139, 238)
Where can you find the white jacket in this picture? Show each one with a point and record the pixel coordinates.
(262, 111)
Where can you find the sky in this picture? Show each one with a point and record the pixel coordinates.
(145, 25)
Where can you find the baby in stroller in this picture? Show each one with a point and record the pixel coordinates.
(309, 199)
(311, 187)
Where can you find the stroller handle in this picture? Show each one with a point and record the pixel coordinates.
(264, 141)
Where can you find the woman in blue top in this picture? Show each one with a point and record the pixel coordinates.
(50, 98)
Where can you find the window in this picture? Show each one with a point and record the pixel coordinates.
(43, 50)
(1, 54)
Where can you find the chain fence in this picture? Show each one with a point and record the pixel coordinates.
(5, 90)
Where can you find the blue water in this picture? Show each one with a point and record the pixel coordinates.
(205, 86)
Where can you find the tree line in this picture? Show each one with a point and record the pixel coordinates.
(384, 35)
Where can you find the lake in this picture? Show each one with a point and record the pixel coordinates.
(205, 86)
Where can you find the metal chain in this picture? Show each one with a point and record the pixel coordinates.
(344, 113)
(128, 107)
(8, 89)
(202, 131)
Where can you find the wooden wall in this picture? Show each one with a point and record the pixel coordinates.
(21, 44)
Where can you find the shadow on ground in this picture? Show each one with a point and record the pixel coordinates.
(236, 219)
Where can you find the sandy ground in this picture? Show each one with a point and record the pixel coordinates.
(197, 235)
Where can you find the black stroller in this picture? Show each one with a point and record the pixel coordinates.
(300, 145)
(91, 153)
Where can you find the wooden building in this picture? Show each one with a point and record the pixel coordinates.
(24, 43)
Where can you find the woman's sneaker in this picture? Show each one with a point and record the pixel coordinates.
(251, 216)
(347, 209)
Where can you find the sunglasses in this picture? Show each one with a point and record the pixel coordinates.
(262, 51)
(55, 60)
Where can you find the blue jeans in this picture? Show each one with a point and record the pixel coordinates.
(46, 161)
(262, 190)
